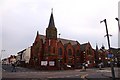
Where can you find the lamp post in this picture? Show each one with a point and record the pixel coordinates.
(118, 23)
(118, 37)
(59, 57)
(118, 31)
(59, 36)
(112, 68)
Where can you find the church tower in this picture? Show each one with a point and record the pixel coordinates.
(51, 31)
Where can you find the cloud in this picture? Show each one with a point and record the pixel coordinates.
(75, 19)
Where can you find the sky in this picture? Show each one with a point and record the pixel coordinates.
(77, 20)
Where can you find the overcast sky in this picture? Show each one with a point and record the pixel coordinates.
(74, 19)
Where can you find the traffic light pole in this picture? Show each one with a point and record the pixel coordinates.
(112, 67)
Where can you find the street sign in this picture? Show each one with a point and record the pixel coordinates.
(110, 55)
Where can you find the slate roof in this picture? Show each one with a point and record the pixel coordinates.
(42, 37)
(82, 46)
(64, 41)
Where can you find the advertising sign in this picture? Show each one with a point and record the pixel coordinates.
(51, 63)
(44, 63)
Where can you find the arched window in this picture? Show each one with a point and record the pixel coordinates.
(53, 49)
(69, 52)
(60, 51)
(89, 51)
(48, 48)
(78, 53)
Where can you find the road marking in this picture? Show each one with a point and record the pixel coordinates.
(67, 76)
(77, 75)
(83, 76)
(103, 71)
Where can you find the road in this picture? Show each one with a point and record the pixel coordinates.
(25, 73)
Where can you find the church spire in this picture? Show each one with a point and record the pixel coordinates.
(51, 21)
(96, 47)
(51, 30)
(37, 32)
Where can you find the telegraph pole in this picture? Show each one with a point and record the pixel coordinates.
(112, 68)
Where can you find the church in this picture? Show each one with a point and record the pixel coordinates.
(48, 52)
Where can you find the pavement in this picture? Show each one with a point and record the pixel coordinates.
(104, 74)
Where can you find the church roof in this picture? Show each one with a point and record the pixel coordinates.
(82, 46)
(42, 37)
(64, 41)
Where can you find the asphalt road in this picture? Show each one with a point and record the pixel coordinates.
(8, 68)
(78, 74)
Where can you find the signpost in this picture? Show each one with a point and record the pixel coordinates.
(110, 55)
(112, 67)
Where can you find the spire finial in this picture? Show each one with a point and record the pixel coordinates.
(52, 10)
(96, 46)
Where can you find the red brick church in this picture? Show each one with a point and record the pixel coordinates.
(50, 52)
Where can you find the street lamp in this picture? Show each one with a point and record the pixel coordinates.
(118, 31)
(112, 68)
(118, 23)
(118, 36)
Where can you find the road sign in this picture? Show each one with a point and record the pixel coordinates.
(110, 55)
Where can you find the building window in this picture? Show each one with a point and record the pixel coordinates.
(69, 52)
(53, 49)
(90, 62)
(89, 51)
(69, 61)
(78, 53)
(48, 48)
(60, 51)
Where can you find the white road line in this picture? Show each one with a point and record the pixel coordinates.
(77, 75)
(103, 71)
(83, 76)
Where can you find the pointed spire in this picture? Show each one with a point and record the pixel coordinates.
(37, 32)
(96, 47)
(103, 47)
(51, 21)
